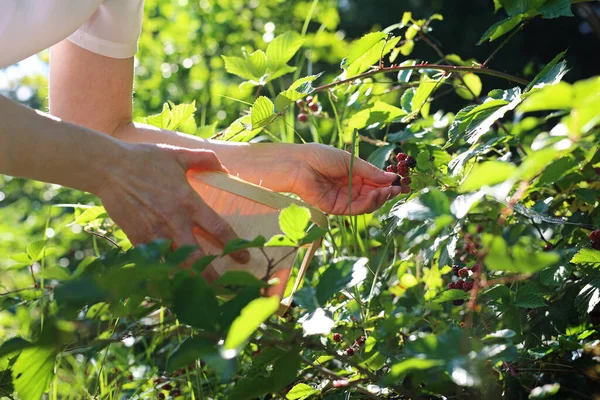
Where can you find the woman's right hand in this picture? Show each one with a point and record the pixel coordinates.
(147, 194)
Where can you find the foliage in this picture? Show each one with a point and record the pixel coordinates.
(508, 184)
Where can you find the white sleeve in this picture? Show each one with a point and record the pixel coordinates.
(113, 30)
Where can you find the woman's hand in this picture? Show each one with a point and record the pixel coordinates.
(322, 178)
(147, 194)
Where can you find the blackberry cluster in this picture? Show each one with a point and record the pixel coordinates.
(467, 275)
(350, 351)
(595, 239)
(402, 168)
(310, 106)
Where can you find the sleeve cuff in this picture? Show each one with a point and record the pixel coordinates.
(103, 47)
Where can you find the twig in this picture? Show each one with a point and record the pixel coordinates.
(485, 63)
(101, 236)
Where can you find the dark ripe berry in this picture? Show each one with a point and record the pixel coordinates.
(337, 337)
(130, 377)
(402, 168)
(302, 117)
(309, 99)
(475, 268)
(595, 245)
(468, 237)
(167, 387)
(451, 285)
(300, 103)
(463, 272)
(313, 107)
(396, 181)
(458, 302)
(459, 284)
(406, 181)
(479, 228)
(391, 168)
(411, 162)
(255, 353)
(595, 236)
(401, 156)
(161, 396)
(548, 247)
(467, 286)
(361, 339)
(404, 189)
(350, 351)
(455, 269)
(176, 393)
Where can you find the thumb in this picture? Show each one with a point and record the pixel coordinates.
(371, 173)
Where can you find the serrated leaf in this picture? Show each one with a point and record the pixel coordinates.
(239, 66)
(361, 46)
(56, 272)
(257, 63)
(190, 350)
(487, 174)
(426, 87)
(33, 372)
(238, 278)
(262, 111)
(367, 58)
(341, 274)
(401, 369)
(378, 113)
(252, 316)
(300, 391)
(195, 303)
(13, 345)
(35, 250)
(500, 28)
(293, 221)
(380, 156)
(551, 74)
(556, 97)
(452, 294)
(297, 90)
(529, 299)
(586, 256)
(516, 258)
(92, 214)
(485, 115)
(588, 297)
(555, 9)
(555, 276)
(282, 49)
(514, 7)
(22, 258)
(405, 75)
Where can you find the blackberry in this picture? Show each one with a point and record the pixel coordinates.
(463, 272)
(411, 162)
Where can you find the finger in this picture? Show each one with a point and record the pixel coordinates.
(371, 173)
(195, 159)
(364, 204)
(210, 222)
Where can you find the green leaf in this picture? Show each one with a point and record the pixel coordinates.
(257, 63)
(535, 163)
(545, 391)
(588, 297)
(556, 275)
(518, 258)
(92, 214)
(22, 258)
(182, 118)
(514, 7)
(282, 49)
(285, 370)
(529, 297)
(300, 391)
(502, 334)
(551, 74)
(293, 221)
(452, 294)
(341, 274)
(297, 90)
(555, 9)
(13, 345)
(586, 256)
(364, 44)
(252, 316)
(487, 174)
(6, 385)
(378, 113)
(281, 241)
(190, 350)
(404, 75)
(195, 303)
(56, 272)
(380, 156)
(426, 87)
(399, 370)
(485, 115)
(239, 66)
(238, 278)
(500, 28)
(262, 111)
(241, 244)
(556, 97)
(473, 86)
(35, 250)
(33, 372)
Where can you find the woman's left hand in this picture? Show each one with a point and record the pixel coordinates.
(323, 176)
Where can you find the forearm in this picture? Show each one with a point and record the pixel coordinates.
(37, 146)
(272, 165)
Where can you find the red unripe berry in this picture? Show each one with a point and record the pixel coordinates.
(300, 103)
(468, 237)
(475, 268)
(406, 181)
(402, 168)
(548, 247)
(459, 284)
(313, 107)
(361, 339)
(337, 337)
(595, 236)
(463, 272)
(451, 285)
(350, 351)
(309, 99)
(401, 156)
(479, 228)
(302, 117)
(391, 168)
(404, 189)
(464, 257)
(467, 286)
(411, 162)
(340, 383)
(455, 269)
(458, 302)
